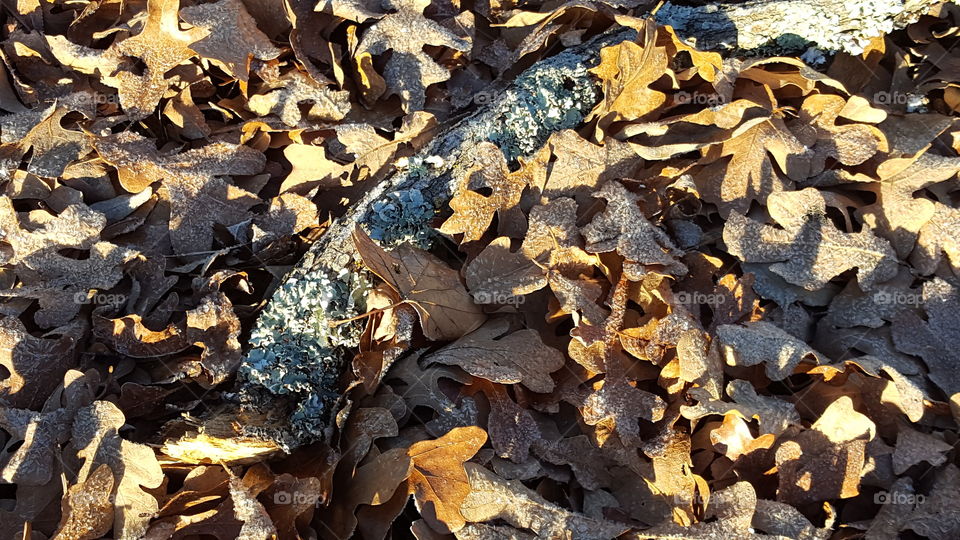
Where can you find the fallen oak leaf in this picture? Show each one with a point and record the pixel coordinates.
(775, 415)
(284, 95)
(438, 481)
(494, 353)
(194, 182)
(409, 71)
(446, 310)
(809, 250)
(232, 38)
(87, 508)
(761, 342)
(35, 366)
(493, 498)
(161, 45)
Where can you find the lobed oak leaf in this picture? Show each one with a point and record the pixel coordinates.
(161, 45)
(809, 250)
(623, 227)
(914, 447)
(35, 366)
(353, 10)
(283, 97)
(87, 507)
(937, 241)
(96, 439)
(438, 481)
(409, 71)
(761, 342)
(46, 273)
(40, 131)
(230, 36)
(754, 148)
(934, 339)
(580, 167)
(430, 286)
(626, 71)
(898, 215)
(493, 498)
(937, 517)
(617, 406)
(472, 211)
(775, 415)
(194, 182)
(849, 144)
(826, 461)
(494, 353)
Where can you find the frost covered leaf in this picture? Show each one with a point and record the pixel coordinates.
(850, 144)
(354, 10)
(161, 45)
(212, 326)
(898, 215)
(729, 517)
(581, 167)
(231, 37)
(438, 481)
(96, 439)
(46, 273)
(87, 507)
(624, 228)
(284, 96)
(493, 498)
(194, 182)
(472, 211)
(826, 461)
(935, 338)
(493, 353)
(410, 70)
(937, 241)
(35, 366)
(246, 508)
(761, 342)
(756, 150)
(775, 415)
(617, 406)
(552, 253)
(937, 516)
(40, 132)
(626, 71)
(446, 310)
(914, 447)
(809, 250)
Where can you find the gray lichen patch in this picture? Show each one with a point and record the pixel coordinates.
(790, 25)
(297, 355)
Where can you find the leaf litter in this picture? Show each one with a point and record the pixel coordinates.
(726, 306)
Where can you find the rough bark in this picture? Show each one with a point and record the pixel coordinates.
(791, 24)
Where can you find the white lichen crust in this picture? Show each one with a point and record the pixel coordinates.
(790, 25)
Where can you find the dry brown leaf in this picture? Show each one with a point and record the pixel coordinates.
(756, 149)
(161, 45)
(494, 353)
(761, 342)
(935, 338)
(809, 251)
(284, 95)
(87, 507)
(230, 36)
(438, 481)
(493, 498)
(775, 415)
(409, 71)
(35, 366)
(194, 182)
(446, 310)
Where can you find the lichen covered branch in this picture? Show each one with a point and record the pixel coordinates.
(791, 24)
(291, 372)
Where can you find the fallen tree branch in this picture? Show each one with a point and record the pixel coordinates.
(791, 24)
